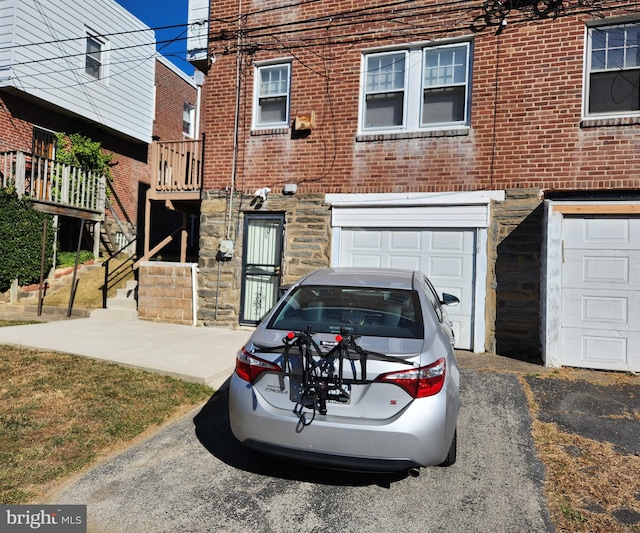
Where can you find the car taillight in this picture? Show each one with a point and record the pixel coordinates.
(249, 367)
(418, 382)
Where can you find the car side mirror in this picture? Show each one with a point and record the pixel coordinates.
(449, 299)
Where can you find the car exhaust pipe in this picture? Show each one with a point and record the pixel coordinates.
(414, 472)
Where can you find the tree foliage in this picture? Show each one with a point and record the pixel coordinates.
(21, 230)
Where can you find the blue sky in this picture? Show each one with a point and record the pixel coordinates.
(159, 13)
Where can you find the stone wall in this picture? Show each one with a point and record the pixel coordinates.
(514, 275)
(306, 247)
(165, 292)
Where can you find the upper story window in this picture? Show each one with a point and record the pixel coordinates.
(272, 95)
(188, 119)
(418, 88)
(613, 71)
(95, 58)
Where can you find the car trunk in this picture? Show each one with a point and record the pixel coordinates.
(345, 382)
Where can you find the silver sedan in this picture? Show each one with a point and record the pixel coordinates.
(352, 369)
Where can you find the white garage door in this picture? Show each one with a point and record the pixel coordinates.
(600, 293)
(446, 256)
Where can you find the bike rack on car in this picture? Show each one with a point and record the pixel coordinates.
(321, 381)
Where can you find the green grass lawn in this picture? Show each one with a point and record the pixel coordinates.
(59, 412)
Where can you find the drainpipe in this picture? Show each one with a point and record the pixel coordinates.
(194, 294)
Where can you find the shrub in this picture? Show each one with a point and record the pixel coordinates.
(21, 240)
(64, 259)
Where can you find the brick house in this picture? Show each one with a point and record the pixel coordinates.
(492, 145)
(93, 69)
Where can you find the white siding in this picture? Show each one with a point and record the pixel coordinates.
(43, 54)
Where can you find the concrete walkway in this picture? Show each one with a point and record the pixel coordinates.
(198, 354)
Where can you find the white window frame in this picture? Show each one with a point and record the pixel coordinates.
(606, 56)
(414, 87)
(188, 119)
(99, 57)
(259, 95)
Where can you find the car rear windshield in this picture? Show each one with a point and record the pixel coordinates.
(380, 312)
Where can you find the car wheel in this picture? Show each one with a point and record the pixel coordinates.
(453, 451)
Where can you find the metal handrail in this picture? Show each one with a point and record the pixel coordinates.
(105, 264)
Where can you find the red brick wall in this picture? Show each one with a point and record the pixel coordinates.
(534, 139)
(171, 94)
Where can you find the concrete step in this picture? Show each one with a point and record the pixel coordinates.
(123, 306)
(115, 314)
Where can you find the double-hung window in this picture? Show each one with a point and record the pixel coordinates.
(95, 57)
(188, 115)
(613, 79)
(416, 89)
(272, 95)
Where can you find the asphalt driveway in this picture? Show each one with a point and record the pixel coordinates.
(193, 476)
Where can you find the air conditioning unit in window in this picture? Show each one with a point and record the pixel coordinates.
(305, 121)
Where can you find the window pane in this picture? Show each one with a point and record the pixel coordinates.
(615, 58)
(93, 58)
(599, 38)
(274, 80)
(385, 73)
(445, 66)
(444, 105)
(614, 92)
(273, 110)
(384, 110)
(598, 60)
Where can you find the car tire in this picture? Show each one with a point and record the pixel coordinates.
(453, 451)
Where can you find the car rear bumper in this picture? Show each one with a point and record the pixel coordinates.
(328, 460)
(418, 436)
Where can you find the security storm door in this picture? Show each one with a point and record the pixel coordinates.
(262, 259)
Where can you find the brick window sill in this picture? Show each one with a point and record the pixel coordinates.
(454, 132)
(271, 131)
(604, 122)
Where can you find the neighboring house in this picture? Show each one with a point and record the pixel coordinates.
(92, 68)
(88, 69)
(176, 134)
(493, 145)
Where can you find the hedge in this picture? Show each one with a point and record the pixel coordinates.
(21, 240)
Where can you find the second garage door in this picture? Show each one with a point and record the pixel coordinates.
(600, 295)
(446, 256)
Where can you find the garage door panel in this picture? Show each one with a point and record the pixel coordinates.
(368, 260)
(600, 348)
(405, 240)
(602, 269)
(446, 257)
(447, 267)
(599, 233)
(406, 261)
(598, 307)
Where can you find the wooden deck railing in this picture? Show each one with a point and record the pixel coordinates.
(176, 166)
(50, 182)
